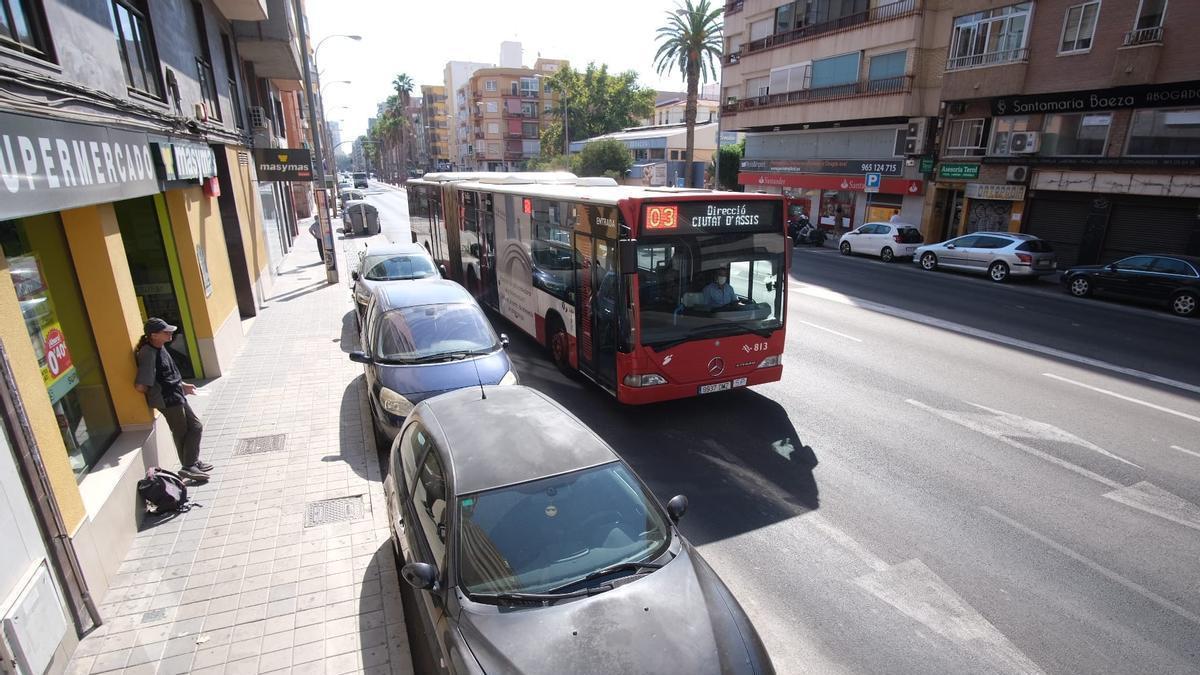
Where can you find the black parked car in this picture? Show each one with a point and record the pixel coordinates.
(1171, 280)
(536, 549)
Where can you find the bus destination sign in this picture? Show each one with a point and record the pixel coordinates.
(711, 217)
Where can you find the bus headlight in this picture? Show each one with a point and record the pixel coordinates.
(509, 378)
(771, 361)
(394, 403)
(648, 380)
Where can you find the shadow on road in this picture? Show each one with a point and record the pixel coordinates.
(349, 341)
(736, 456)
(352, 433)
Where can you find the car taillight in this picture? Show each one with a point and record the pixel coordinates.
(1024, 257)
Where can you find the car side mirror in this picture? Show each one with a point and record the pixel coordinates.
(1111, 267)
(421, 576)
(949, 245)
(354, 275)
(360, 357)
(504, 340)
(444, 271)
(677, 507)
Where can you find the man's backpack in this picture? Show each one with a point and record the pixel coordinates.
(163, 491)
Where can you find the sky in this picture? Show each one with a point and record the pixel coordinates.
(418, 37)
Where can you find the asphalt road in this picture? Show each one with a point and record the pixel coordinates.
(953, 476)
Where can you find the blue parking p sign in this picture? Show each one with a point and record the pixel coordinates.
(874, 181)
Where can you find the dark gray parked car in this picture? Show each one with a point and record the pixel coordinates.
(535, 549)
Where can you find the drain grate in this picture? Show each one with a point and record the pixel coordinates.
(336, 510)
(259, 444)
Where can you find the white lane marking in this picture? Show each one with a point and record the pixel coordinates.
(975, 423)
(848, 543)
(1097, 567)
(918, 593)
(1186, 451)
(1123, 397)
(1153, 499)
(826, 294)
(1022, 426)
(828, 330)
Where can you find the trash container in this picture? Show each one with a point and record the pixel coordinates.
(360, 217)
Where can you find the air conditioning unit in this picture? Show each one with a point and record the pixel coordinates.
(201, 111)
(258, 118)
(916, 136)
(1024, 142)
(1018, 174)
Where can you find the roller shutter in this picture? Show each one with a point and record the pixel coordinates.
(1060, 220)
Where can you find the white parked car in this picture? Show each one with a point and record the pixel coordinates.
(888, 241)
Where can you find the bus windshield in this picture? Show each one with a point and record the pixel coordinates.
(708, 285)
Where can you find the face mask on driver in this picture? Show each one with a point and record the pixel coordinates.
(721, 280)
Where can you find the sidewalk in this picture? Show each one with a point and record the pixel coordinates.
(261, 576)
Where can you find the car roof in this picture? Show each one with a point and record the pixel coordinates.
(1011, 235)
(1193, 260)
(414, 292)
(388, 248)
(515, 435)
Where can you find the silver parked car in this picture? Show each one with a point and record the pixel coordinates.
(999, 255)
(384, 263)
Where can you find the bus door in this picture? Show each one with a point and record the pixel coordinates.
(596, 314)
(487, 250)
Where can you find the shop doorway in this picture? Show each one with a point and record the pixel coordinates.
(953, 211)
(154, 266)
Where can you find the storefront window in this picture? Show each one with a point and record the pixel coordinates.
(837, 210)
(43, 275)
(881, 207)
(1075, 134)
(1165, 132)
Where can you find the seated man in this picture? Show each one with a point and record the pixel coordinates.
(719, 293)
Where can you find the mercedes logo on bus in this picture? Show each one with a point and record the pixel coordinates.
(716, 366)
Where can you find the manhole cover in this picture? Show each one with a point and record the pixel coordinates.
(259, 444)
(333, 510)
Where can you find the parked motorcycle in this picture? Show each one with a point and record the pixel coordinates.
(802, 231)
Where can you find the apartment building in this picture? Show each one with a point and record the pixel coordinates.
(436, 127)
(506, 112)
(1077, 121)
(460, 138)
(670, 107)
(838, 100)
(130, 190)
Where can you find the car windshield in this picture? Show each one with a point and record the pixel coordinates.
(682, 296)
(398, 267)
(551, 533)
(417, 333)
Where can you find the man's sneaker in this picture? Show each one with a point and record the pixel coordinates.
(194, 473)
(204, 466)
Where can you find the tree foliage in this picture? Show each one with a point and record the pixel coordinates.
(730, 158)
(597, 102)
(691, 41)
(603, 158)
(392, 133)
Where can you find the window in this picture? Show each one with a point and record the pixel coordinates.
(795, 77)
(887, 66)
(1138, 263)
(493, 128)
(235, 97)
(785, 18)
(657, 153)
(761, 29)
(204, 70)
(491, 107)
(675, 154)
(835, 71)
(1150, 14)
(1172, 266)
(1075, 134)
(964, 138)
(136, 44)
(965, 242)
(1002, 129)
(1165, 132)
(548, 106)
(429, 504)
(1078, 27)
(757, 86)
(529, 86)
(989, 242)
(412, 450)
(529, 130)
(989, 37)
(489, 85)
(22, 28)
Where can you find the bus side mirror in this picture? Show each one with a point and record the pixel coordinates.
(627, 252)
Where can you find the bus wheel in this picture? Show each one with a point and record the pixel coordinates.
(559, 345)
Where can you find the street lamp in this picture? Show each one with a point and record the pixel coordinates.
(317, 49)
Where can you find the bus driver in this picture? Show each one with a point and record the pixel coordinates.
(719, 293)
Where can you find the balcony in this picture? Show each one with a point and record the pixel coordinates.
(242, 10)
(734, 7)
(1001, 57)
(271, 45)
(888, 12)
(891, 85)
(1144, 36)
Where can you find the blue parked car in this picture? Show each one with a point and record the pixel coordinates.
(421, 339)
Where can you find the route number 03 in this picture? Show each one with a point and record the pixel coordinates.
(662, 217)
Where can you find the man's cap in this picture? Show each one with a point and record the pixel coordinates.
(157, 325)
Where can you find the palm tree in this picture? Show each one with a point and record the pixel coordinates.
(403, 84)
(691, 40)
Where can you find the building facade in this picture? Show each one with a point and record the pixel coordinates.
(436, 127)
(659, 153)
(838, 99)
(460, 138)
(507, 110)
(1081, 126)
(671, 108)
(128, 191)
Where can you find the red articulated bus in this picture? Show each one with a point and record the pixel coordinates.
(653, 293)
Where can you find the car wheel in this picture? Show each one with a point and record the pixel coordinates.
(559, 344)
(845, 248)
(929, 262)
(1080, 287)
(1184, 304)
(886, 255)
(998, 272)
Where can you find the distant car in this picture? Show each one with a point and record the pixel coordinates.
(536, 549)
(360, 180)
(385, 263)
(360, 217)
(350, 194)
(1171, 280)
(884, 240)
(421, 339)
(999, 255)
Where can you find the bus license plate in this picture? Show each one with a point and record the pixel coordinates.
(713, 388)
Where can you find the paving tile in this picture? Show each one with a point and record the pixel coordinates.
(276, 660)
(245, 649)
(312, 651)
(110, 661)
(176, 665)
